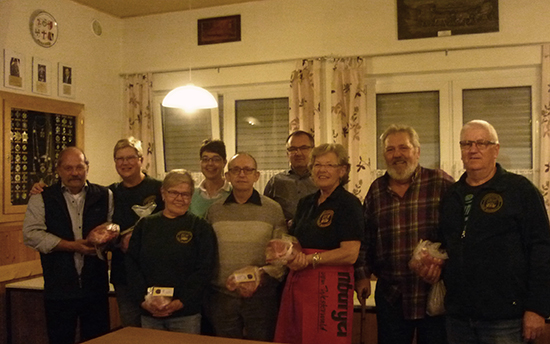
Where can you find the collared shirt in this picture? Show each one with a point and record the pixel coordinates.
(394, 226)
(254, 198)
(34, 224)
(201, 200)
(287, 188)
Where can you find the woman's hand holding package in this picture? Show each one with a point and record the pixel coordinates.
(299, 262)
(281, 251)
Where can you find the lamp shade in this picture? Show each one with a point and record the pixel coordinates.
(189, 98)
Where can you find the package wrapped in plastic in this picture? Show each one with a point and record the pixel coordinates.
(159, 297)
(103, 233)
(436, 299)
(245, 281)
(427, 253)
(281, 251)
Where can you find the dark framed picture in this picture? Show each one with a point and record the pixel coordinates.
(219, 30)
(420, 18)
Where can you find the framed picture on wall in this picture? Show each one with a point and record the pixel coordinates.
(219, 30)
(41, 76)
(420, 19)
(66, 79)
(14, 70)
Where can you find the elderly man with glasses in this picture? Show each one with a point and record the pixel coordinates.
(244, 223)
(495, 228)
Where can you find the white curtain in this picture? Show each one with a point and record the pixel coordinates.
(138, 101)
(349, 120)
(545, 127)
(305, 98)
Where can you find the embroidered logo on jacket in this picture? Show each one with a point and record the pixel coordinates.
(325, 219)
(184, 237)
(491, 202)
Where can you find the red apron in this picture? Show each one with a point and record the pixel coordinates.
(317, 305)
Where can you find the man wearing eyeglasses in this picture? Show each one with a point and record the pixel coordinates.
(495, 228)
(400, 209)
(287, 187)
(214, 186)
(244, 224)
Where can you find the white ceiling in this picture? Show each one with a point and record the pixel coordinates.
(136, 8)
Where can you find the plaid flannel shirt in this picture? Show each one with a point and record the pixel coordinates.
(394, 226)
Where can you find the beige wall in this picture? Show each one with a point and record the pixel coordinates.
(275, 30)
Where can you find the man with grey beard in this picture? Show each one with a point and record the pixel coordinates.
(400, 209)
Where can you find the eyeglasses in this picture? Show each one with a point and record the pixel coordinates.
(480, 144)
(174, 194)
(327, 166)
(294, 150)
(132, 158)
(237, 170)
(214, 159)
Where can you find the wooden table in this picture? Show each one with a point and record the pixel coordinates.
(134, 335)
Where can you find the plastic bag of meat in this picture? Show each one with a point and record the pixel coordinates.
(281, 251)
(103, 234)
(426, 254)
(245, 281)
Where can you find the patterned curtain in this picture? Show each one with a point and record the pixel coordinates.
(349, 118)
(138, 101)
(545, 127)
(305, 97)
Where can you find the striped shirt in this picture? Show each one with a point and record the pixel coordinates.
(394, 226)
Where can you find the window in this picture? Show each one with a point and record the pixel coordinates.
(417, 109)
(509, 111)
(183, 134)
(437, 106)
(251, 119)
(262, 128)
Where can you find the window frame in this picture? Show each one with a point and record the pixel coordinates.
(450, 86)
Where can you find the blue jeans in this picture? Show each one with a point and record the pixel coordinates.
(187, 324)
(128, 309)
(484, 332)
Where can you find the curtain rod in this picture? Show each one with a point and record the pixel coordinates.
(332, 57)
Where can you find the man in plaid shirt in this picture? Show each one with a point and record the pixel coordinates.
(401, 208)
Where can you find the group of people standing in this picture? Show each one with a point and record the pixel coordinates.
(188, 240)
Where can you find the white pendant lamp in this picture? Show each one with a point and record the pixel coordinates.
(190, 98)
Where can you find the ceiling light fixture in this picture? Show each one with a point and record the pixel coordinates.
(190, 97)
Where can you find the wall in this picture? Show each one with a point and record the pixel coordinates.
(274, 30)
(97, 62)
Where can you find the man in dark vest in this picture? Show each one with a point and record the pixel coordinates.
(56, 224)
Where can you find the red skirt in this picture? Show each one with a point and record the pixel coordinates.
(317, 305)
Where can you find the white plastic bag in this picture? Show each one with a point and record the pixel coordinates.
(436, 299)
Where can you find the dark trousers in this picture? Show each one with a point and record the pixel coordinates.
(393, 328)
(62, 317)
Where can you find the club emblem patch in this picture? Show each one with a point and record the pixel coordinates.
(325, 219)
(491, 203)
(184, 237)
